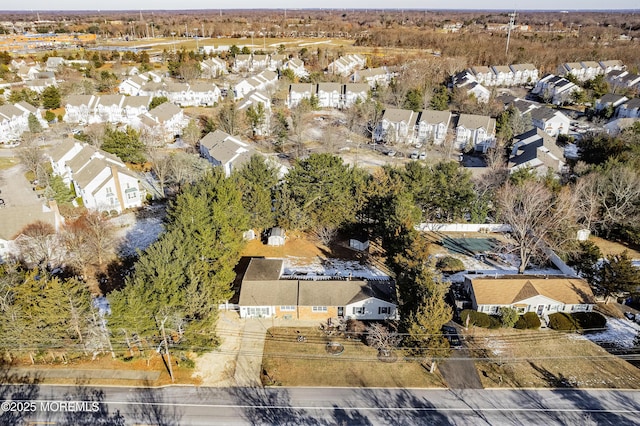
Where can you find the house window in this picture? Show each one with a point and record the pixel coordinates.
(386, 310)
(258, 311)
(358, 310)
(132, 195)
(109, 190)
(520, 310)
(319, 309)
(287, 308)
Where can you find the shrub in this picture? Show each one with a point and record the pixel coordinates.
(450, 264)
(528, 321)
(562, 322)
(508, 316)
(479, 319)
(589, 320)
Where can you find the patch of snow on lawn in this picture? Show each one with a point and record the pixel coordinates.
(619, 332)
(138, 231)
(496, 346)
(331, 268)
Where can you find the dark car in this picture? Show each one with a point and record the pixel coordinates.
(451, 334)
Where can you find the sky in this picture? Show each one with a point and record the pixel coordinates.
(29, 5)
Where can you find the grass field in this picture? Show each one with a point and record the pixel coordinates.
(613, 247)
(6, 163)
(287, 362)
(545, 358)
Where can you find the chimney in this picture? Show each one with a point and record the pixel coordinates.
(58, 218)
(116, 181)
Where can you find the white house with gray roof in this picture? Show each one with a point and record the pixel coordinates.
(164, 121)
(297, 66)
(475, 131)
(99, 178)
(432, 126)
(329, 95)
(396, 126)
(222, 149)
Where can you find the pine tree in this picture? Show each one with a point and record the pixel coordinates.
(258, 181)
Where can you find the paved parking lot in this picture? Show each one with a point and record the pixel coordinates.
(16, 190)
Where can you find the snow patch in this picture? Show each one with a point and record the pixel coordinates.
(331, 268)
(139, 230)
(620, 332)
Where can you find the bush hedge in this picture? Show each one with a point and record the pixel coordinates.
(590, 320)
(578, 321)
(450, 264)
(528, 321)
(479, 319)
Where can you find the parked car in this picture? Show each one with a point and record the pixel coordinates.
(451, 334)
(391, 153)
(630, 316)
(422, 156)
(414, 155)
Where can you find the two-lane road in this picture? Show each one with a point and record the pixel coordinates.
(313, 406)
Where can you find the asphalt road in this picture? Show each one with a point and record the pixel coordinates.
(313, 406)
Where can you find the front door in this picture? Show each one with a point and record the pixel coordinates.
(340, 311)
(540, 309)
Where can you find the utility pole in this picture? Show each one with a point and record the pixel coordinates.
(512, 19)
(166, 348)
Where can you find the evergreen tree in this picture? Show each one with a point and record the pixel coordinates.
(51, 97)
(157, 100)
(125, 144)
(258, 181)
(34, 124)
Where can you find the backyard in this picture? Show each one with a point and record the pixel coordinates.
(290, 362)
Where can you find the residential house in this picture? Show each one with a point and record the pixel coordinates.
(132, 86)
(277, 61)
(263, 81)
(133, 106)
(54, 63)
(484, 75)
(354, 92)
(433, 126)
(551, 121)
(613, 65)
(259, 62)
(253, 99)
(397, 125)
(618, 125)
(524, 74)
(192, 94)
(345, 65)
(109, 108)
(543, 295)
(222, 149)
(591, 69)
(242, 62)
(623, 80)
(629, 109)
(572, 68)
(610, 101)
(39, 84)
(99, 178)
(535, 150)
(475, 131)
(297, 66)
(164, 121)
(372, 76)
(14, 120)
(478, 91)
(329, 95)
(264, 293)
(462, 79)
(27, 71)
(298, 92)
(104, 186)
(504, 76)
(554, 89)
(14, 219)
(213, 67)
(80, 108)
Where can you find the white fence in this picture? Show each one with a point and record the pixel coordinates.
(464, 227)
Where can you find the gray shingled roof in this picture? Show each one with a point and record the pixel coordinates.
(260, 269)
(394, 115)
(435, 117)
(58, 151)
(14, 219)
(470, 121)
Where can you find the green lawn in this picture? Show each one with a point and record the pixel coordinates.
(287, 362)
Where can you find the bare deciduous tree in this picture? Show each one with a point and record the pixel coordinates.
(536, 216)
(90, 240)
(382, 338)
(38, 244)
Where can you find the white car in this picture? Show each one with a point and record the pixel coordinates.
(422, 156)
(414, 155)
(391, 153)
